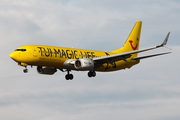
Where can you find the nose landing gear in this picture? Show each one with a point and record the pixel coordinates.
(25, 70)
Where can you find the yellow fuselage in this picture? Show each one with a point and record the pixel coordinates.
(37, 55)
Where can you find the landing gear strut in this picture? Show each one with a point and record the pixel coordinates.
(91, 74)
(69, 76)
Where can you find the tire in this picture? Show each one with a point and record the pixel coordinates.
(71, 76)
(89, 74)
(67, 77)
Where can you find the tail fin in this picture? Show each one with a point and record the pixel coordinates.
(133, 40)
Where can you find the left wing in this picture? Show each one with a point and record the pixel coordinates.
(123, 56)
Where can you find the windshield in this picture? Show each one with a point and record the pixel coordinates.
(23, 50)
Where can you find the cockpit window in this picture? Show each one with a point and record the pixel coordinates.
(23, 50)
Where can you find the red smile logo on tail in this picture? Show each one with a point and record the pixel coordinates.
(134, 48)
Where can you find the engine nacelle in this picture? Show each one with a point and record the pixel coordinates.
(84, 64)
(46, 70)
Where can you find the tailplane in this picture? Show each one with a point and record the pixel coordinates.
(132, 43)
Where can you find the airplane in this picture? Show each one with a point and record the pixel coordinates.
(49, 59)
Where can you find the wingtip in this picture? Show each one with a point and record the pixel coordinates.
(166, 39)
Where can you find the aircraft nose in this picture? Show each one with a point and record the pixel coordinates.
(12, 55)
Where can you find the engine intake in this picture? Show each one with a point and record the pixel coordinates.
(84, 64)
(46, 70)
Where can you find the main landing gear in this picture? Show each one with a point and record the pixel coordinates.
(91, 74)
(69, 76)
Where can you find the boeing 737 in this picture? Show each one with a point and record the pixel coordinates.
(49, 59)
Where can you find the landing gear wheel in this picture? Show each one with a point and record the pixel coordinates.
(25, 70)
(91, 74)
(69, 76)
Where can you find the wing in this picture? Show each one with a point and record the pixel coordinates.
(123, 56)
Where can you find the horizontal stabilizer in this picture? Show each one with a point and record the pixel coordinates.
(143, 57)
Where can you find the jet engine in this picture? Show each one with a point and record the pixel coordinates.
(84, 64)
(46, 70)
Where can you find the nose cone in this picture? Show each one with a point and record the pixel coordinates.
(13, 56)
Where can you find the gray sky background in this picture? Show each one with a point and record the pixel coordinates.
(148, 91)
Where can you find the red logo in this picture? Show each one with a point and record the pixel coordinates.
(134, 48)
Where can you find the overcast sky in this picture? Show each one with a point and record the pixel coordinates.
(147, 91)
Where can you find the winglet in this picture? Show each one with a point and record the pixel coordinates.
(165, 41)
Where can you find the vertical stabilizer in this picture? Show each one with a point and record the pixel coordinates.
(132, 43)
